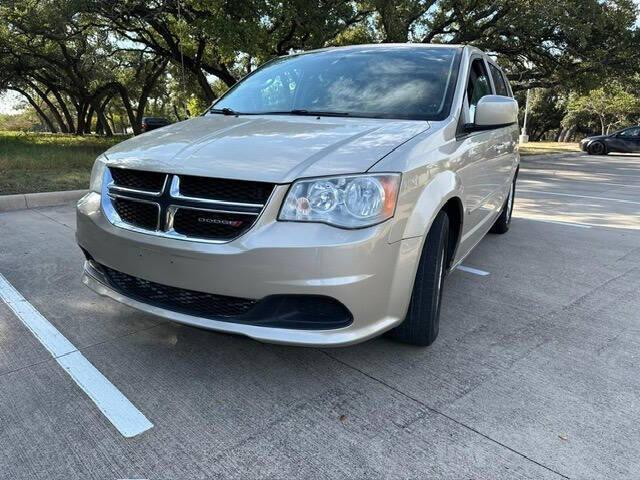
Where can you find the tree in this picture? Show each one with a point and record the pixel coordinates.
(541, 43)
(611, 107)
(55, 52)
(225, 39)
(547, 108)
(84, 63)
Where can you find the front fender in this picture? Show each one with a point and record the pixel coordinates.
(428, 201)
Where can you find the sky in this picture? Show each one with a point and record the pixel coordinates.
(9, 101)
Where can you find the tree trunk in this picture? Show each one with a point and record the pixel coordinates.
(136, 127)
(98, 108)
(99, 128)
(123, 128)
(176, 113)
(81, 117)
(108, 131)
(65, 110)
(38, 110)
(52, 108)
(89, 120)
(209, 96)
(564, 135)
(542, 133)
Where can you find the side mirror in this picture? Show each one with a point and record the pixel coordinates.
(494, 111)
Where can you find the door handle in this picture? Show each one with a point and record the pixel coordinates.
(500, 147)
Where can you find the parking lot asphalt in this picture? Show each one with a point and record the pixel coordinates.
(534, 375)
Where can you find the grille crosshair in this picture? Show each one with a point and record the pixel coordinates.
(183, 206)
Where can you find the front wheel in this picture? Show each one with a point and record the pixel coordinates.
(597, 148)
(421, 325)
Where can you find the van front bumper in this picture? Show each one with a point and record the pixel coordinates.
(359, 269)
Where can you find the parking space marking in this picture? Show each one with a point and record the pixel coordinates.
(475, 271)
(618, 200)
(557, 222)
(110, 401)
(535, 182)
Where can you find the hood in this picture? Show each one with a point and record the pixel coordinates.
(269, 148)
(596, 137)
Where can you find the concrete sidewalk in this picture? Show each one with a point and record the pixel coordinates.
(36, 200)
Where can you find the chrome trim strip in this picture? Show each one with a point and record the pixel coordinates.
(175, 193)
(131, 199)
(203, 209)
(112, 186)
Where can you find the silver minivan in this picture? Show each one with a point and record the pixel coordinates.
(321, 201)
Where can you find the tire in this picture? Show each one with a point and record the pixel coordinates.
(597, 148)
(421, 325)
(502, 223)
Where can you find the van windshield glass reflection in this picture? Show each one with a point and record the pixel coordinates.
(405, 82)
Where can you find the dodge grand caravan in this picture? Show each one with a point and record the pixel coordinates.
(321, 201)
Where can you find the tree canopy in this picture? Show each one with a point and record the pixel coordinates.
(96, 65)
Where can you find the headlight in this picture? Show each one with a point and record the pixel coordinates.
(97, 172)
(353, 201)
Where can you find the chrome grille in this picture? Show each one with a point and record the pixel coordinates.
(183, 207)
(225, 190)
(207, 224)
(138, 180)
(139, 214)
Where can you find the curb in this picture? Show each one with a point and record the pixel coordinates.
(24, 201)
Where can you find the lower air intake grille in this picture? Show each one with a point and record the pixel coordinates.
(300, 312)
(180, 300)
(139, 214)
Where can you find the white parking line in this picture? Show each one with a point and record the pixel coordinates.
(618, 200)
(475, 271)
(567, 224)
(112, 403)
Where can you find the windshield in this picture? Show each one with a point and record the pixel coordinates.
(395, 82)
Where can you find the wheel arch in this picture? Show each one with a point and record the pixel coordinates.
(455, 212)
(442, 192)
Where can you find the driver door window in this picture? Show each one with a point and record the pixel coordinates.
(630, 139)
(630, 133)
(478, 86)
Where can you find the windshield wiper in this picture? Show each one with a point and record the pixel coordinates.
(311, 113)
(224, 111)
(319, 113)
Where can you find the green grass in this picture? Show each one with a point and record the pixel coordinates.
(543, 148)
(39, 162)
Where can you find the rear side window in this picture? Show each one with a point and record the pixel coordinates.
(478, 86)
(498, 80)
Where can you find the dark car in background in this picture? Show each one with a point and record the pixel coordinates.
(624, 141)
(151, 123)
